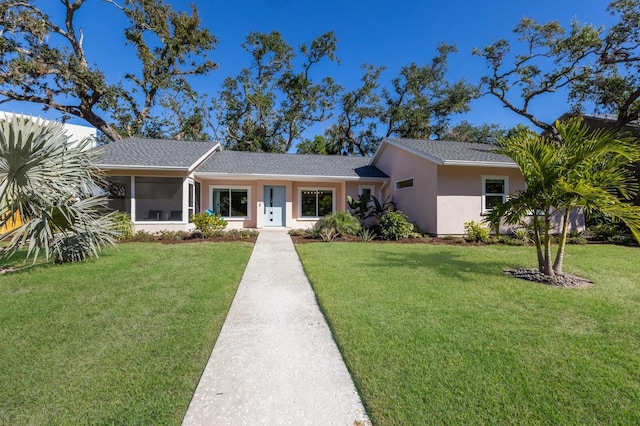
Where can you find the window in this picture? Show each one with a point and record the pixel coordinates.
(494, 191)
(366, 190)
(316, 202)
(230, 202)
(406, 183)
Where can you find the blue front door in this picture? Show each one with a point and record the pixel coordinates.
(274, 205)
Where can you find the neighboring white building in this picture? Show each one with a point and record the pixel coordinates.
(75, 132)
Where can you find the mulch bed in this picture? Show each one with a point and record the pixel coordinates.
(223, 239)
(564, 280)
(421, 240)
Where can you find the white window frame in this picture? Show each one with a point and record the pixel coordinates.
(185, 200)
(301, 189)
(504, 195)
(405, 180)
(232, 218)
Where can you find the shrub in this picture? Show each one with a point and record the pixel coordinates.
(523, 234)
(314, 231)
(210, 225)
(342, 222)
(328, 234)
(366, 235)
(143, 236)
(393, 225)
(241, 234)
(476, 231)
(123, 225)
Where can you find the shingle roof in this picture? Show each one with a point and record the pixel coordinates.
(153, 153)
(255, 163)
(454, 153)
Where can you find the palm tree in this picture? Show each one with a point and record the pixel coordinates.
(587, 170)
(51, 186)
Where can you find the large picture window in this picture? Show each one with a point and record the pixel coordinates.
(494, 191)
(230, 202)
(316, 202)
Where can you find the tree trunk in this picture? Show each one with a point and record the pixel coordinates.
(557, 265)
(97, 121)
(547, 267)
(538, 240)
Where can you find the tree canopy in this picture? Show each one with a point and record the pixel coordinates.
(596, 69)
(270, 104)
(43, 60)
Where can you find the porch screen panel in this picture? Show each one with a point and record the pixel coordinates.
(158, 198)
(118, 191)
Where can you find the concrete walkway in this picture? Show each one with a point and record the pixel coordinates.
(275, 361)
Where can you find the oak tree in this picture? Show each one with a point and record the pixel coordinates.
(43, 60)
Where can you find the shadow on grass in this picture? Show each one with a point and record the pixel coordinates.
(449, 263)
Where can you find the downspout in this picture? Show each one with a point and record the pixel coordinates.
(382, 188)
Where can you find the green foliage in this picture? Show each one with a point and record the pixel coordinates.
(476, 231)
(422, 101)
(367, 235)
(298, 232)
(342, 222)
(315, 231)
(393, 225)
(523, 233)
(355, 129)
(170, 45)
(49, 183)
(123, 225)
(467, 132)
(318, 146)
(588, 169)
(210, 225)
(270, 104)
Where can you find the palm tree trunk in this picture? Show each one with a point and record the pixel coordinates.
(538, 240)
(557, 264)
(547, 267)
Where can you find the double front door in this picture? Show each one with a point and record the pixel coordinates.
(274, 205)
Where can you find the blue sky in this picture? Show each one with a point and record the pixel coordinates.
(382, 33)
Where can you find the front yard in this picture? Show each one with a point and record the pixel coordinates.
(440, 335)
(118, 340)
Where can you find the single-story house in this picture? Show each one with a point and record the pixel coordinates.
(439, 185)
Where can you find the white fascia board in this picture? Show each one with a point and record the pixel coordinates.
(200, 160)
(139, 167)
(480, 164)
(244, 176)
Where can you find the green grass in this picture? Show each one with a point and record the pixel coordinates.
(440, 335)
(122, 339)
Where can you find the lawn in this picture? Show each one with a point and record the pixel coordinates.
(122, 339)
(440, 335)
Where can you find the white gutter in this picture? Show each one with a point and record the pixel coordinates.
(139, 167)
(247, 176)
(479, 164)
